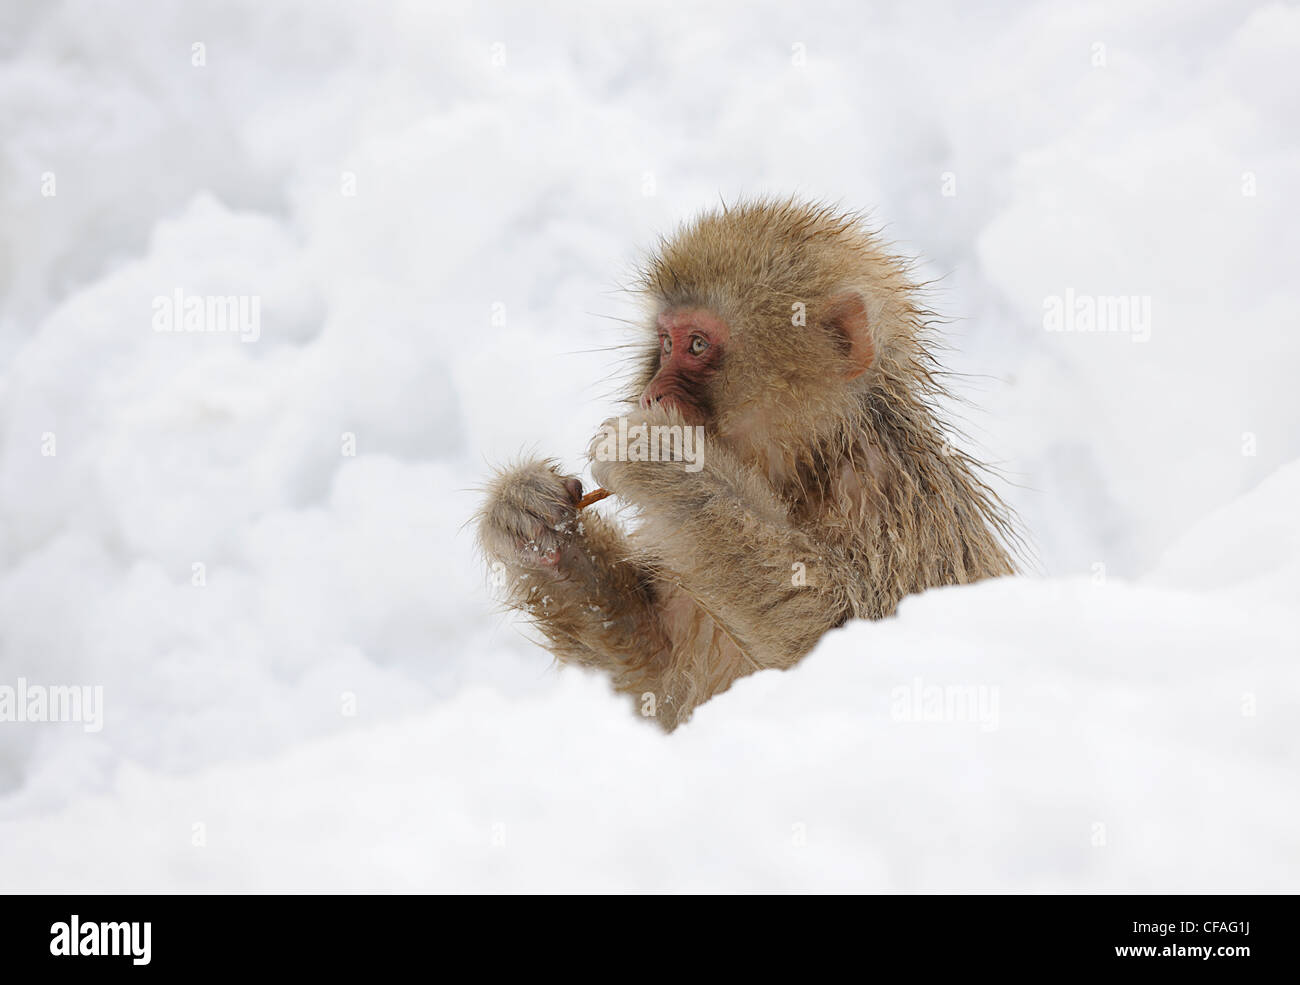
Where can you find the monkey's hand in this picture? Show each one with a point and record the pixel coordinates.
(665, 468)
(572, 575)
(530, 516)
(716, 527)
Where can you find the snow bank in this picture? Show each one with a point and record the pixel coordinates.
(1023, 735)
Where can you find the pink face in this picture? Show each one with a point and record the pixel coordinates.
(691, 343)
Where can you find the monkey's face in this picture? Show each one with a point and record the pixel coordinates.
(691, 347)
(769, 324)
(754, 378)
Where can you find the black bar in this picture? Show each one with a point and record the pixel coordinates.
(338, 934)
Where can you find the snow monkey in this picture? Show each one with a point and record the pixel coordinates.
(821, 487)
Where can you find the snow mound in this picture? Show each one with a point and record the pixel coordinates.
(1082, 734)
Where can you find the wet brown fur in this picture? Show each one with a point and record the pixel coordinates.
(821, 499)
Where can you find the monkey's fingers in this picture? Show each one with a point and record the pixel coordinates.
(595, 496)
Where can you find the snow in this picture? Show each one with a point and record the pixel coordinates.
(338, 704)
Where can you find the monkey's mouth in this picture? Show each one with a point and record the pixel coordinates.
(688, 410)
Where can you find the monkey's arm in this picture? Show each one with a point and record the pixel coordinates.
(725, 537)
(573, 574)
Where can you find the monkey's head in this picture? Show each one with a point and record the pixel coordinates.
(771, 323)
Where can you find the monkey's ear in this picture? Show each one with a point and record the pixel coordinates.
(846, 320)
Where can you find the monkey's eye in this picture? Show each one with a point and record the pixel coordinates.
(667, 342)
(698, 344)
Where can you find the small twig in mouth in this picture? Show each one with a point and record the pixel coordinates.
(595, 496)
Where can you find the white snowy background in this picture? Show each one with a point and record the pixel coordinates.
(513, 160)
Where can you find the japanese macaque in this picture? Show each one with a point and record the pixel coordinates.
(821, 486)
